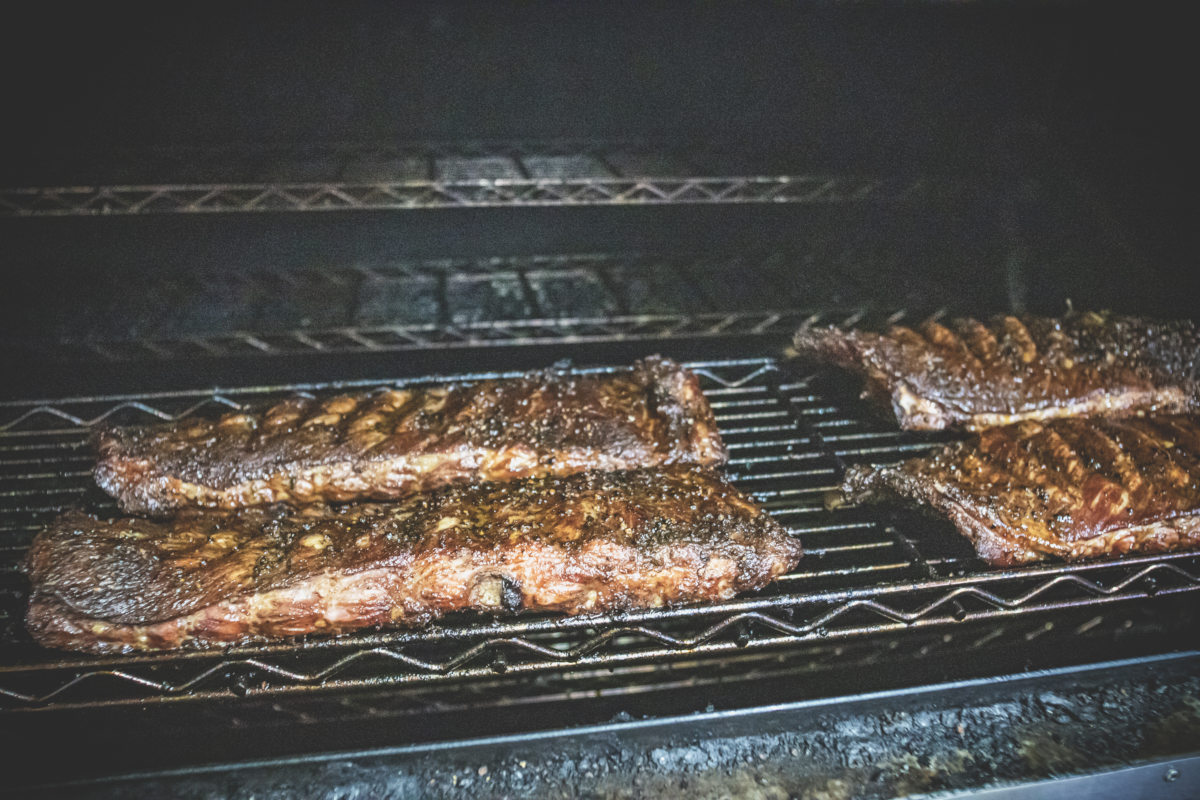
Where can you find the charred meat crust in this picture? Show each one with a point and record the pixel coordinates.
(589, 542)
(967, 374)
(1070, 488)
(387, 444)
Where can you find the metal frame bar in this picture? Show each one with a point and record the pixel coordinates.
(58, 201)
(479, 175)
(399, 338)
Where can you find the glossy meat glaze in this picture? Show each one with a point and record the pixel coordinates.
(1070, 488)
(585, 543)
(387, 444)
(964, 373)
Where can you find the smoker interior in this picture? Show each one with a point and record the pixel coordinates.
(878, 591)
(270, 203)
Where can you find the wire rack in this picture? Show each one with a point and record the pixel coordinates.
(430, 336)
(867, 572)
(339, 178)
(437, 303)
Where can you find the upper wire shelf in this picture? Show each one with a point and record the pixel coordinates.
(397, 338)
(345, 177)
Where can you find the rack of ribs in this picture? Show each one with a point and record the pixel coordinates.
(964, 373)
(386, 444)
(1069, 488)
(584, 543)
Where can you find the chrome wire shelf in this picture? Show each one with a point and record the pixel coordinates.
(340, 178)
(867, 572)
(245, 197)
(501, 333)
(436, 303)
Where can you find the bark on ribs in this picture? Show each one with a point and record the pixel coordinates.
(387, 444)
(586, 543)
(968, 374)
(1070, 488)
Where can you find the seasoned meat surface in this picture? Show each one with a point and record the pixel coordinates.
(588, 542)
(967, 374)
(386, 444)
(1070, 488)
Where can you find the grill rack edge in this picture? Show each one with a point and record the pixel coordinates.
(867, 571)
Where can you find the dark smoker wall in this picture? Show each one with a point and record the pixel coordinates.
(862, 85)
(857, 87)
(1084, 97)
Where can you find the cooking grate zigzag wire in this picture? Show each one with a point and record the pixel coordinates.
(867, 571)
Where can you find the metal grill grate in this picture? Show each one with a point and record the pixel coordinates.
(399, 338)
(423, 176)
(424, 304)
(867, 571)
(349, 177)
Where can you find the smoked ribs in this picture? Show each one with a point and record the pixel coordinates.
(964, 373)
(588, 542)
(1069, 488)
(387, 444)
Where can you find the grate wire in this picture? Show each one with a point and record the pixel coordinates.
(867, 572)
